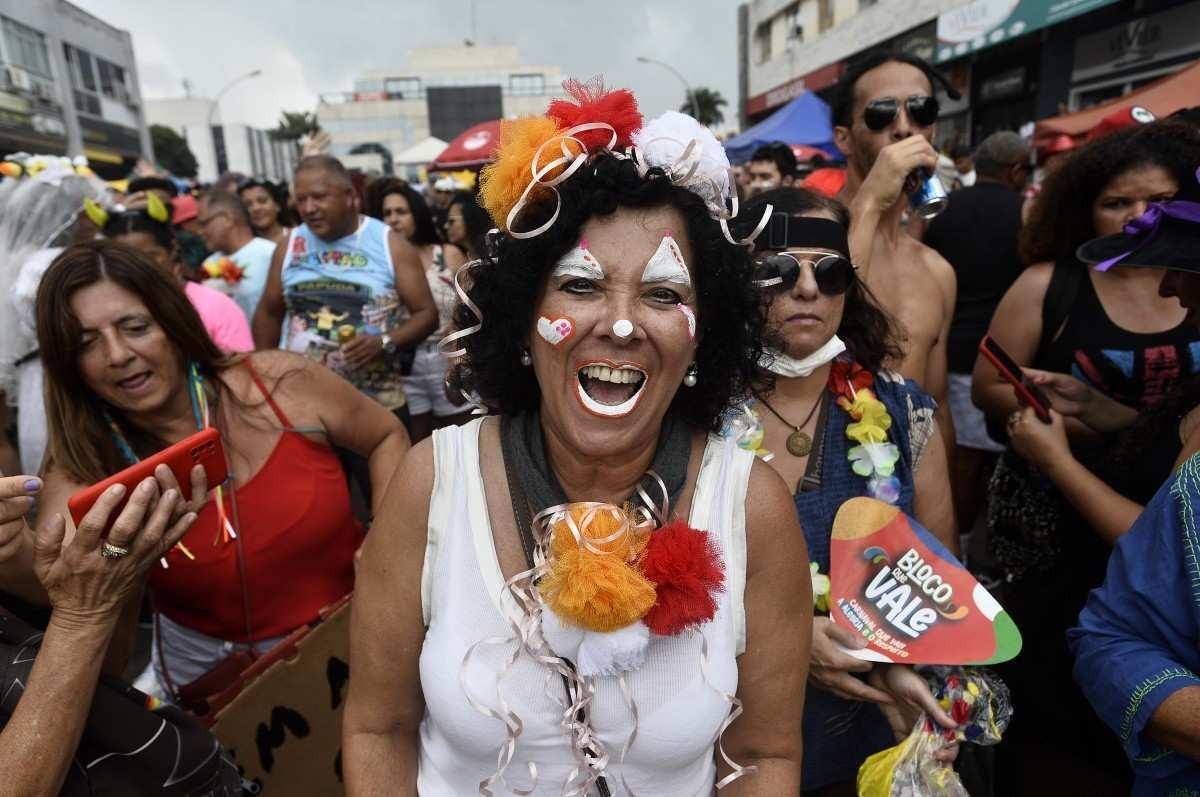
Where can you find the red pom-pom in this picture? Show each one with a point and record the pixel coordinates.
(593, 104)
(687, 572)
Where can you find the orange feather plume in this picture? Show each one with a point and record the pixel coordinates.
(502, 182)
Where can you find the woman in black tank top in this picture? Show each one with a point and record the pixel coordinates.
(1113, 332)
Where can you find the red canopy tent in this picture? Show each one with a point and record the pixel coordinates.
(473, 148)
(1163, 97)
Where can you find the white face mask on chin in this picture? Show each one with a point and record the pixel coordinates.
(780, 364)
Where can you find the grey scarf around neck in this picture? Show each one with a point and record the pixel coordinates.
(525, 452)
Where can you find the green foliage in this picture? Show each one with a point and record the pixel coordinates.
(293, 125)
(172, 152)
(707, 106)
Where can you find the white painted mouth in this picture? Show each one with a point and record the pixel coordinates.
(623, 375)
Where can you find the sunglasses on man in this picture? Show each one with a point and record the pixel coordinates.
(833, 273)
(922, 110)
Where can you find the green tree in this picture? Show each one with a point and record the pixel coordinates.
(707, 106)
(172, 152)
(293, 125)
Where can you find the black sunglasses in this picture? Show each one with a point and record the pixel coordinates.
(833, 273)
(922, 109)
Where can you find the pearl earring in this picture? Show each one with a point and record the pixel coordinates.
(689, 379)
(526, 358)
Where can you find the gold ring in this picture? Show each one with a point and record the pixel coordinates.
(110, 551)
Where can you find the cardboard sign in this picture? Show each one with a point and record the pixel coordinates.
(285, 727)
(895, 584)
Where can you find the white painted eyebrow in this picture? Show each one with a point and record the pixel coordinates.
(667, 264)
(579, 262)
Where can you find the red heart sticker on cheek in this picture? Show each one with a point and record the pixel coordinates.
(555, 330)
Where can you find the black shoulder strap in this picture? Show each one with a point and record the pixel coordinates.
(1065, 279)
(524, 519)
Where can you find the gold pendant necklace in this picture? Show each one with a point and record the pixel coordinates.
(799, 442)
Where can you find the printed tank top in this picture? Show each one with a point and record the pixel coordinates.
(336, 291)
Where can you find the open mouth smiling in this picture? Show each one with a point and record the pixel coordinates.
(608, 389)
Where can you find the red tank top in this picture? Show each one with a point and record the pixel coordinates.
(298, 539)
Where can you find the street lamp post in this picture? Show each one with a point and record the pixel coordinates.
(212, 109)
(217, 100)
(691, 97)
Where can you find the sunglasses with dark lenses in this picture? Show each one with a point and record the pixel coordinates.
(833, 273)
(922, 110)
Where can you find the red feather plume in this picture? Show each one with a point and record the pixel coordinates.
(687, 573)
(594, 104)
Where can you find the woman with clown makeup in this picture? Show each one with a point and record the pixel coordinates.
(589, 592)
(837, 425)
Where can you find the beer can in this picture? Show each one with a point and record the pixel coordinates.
(930, 197)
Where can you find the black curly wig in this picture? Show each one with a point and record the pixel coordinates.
(506, 284)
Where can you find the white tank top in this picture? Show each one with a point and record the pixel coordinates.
(464, 601)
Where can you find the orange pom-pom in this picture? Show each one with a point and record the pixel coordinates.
(593, 104)
(501, 183)
(597, 522)
(595, 591)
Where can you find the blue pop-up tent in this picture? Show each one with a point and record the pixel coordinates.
(804, 120)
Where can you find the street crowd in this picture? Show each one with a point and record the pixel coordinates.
(575, 432)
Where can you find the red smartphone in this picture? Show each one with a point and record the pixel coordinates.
(203, 448)
(1027, 391)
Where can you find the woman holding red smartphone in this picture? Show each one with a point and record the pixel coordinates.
(1117, 332)
(130, 370)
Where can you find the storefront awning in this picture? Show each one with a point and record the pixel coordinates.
(1163, 98)
(102, 155)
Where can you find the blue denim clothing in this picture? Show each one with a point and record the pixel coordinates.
(840, 734)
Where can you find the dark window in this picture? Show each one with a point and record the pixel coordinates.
(453, 109)
(218, 134)
(87, 103)
(80, 66)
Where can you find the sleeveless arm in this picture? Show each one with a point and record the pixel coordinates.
(268, 317)
(773, 670)
(1017, 327)
(413, 290)
(385, 704)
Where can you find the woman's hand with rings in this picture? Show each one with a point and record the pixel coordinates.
(16, 500)
(831, 668)
(87, 587)
(912, 698)
(1041, 444)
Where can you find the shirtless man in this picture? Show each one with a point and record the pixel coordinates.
(912, 282)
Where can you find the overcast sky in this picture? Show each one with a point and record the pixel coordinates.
(306, 47)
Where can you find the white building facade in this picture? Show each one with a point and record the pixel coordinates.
(439, 93)
(221, 148)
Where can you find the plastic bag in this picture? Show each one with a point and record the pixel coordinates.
(977, 700)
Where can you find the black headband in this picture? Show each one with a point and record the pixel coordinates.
(797, 232)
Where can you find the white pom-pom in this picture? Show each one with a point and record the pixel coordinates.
(615, 652)
(593, 652)
(563, 639)
(664, 142)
